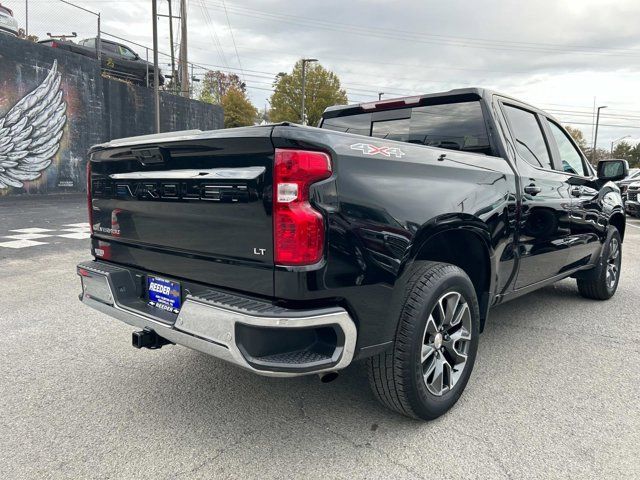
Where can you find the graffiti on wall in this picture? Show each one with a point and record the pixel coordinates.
(30, 132)
(54, 105)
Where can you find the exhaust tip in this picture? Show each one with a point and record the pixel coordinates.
(328, 376)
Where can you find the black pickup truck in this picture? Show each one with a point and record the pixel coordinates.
(117, 60)
(385, 235)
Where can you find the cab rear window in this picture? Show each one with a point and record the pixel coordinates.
(454, 126)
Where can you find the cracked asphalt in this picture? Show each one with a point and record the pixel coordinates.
(554, 394)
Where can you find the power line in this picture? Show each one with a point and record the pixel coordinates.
(212, 30)
(226, 14)
(268, 75)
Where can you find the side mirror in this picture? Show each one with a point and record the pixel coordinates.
(612, 170)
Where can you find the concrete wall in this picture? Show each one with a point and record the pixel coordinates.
(47, 126)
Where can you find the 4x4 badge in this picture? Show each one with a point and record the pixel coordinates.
(369, 149)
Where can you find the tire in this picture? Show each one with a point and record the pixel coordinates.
(598, 284)
(398, 377)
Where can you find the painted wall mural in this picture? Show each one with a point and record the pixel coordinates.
(30, 132)
(54, 105)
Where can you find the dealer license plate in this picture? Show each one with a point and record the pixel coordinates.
(164, 294)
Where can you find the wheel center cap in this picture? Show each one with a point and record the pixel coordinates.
(437, 341)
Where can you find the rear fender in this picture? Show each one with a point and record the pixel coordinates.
(470, 249)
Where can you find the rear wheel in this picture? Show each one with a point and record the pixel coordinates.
(602, 282)
(435, 346)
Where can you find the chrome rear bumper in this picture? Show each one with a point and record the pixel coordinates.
(212, 325)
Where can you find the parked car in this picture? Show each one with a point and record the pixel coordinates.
(116, 59)
(631, 204)
(634, 176)
(8, 24)
(385, 235)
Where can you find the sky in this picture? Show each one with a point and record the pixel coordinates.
(563, 56)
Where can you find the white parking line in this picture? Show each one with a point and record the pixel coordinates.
(26, 237)
(21, 244)
(632, 225)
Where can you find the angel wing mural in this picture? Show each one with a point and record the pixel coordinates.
(30, 132)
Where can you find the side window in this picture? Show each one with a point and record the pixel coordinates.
(528, 136)
(571, 158)
(109, 47)
(125, 52)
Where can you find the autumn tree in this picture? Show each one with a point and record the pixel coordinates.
(238, 110)
(216, 84)
(577, 136)
(322, 89)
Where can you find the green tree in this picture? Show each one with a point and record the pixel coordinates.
(216, 84)
(634, 161)
(322, 90)
(238, 110)
(623, 150)
(578, 136)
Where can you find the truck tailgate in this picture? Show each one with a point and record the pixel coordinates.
(198, 207)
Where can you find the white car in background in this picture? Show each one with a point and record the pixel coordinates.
(8, 24)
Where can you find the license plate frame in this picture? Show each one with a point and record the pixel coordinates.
(164, 294)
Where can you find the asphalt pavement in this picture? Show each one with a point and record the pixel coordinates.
(554, 394)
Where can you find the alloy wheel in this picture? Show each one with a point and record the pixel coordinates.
(445, 344)
(613, 263)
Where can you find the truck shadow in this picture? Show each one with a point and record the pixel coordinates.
(243, 422)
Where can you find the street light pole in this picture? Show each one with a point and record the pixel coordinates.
(380, 95)
(595, 137)
(304, 78)
(616, 141)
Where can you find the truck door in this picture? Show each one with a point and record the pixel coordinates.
(588, 219)
(545, 224)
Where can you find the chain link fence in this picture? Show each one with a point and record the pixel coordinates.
(38, 21)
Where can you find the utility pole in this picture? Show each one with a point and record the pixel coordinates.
(184, 62)
(304, 78)
(156, 79)
(595, 136)
(26, 17)
(173, 61)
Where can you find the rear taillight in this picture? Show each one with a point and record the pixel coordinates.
(89, 204)
(298, 229)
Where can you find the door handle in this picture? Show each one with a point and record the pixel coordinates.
(576, 191)
(532, 189)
